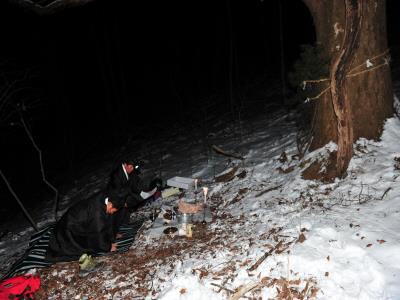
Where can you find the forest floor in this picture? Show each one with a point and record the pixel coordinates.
(274, 235)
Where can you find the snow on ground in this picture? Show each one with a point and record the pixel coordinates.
(273, 234)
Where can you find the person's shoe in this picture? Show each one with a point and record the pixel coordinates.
(87, 265)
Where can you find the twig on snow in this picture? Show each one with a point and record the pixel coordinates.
(386, 191)
(244, 289)
(221, 287)
(222, 152)
(262, 258)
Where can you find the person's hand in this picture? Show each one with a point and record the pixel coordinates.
(145, 195)
(113, 247)
(153, 191)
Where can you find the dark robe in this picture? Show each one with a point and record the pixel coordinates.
(119, 182)
(132, 185)
(84, 228)
(118, 179)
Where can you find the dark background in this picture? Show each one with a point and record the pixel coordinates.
(113, 70)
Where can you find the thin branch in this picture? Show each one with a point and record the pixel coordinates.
(49, 7)
(386, 191)
(19, 201)
(221, 287)
(243, 290)
(262, 258)
(55, 209)
(222, 152)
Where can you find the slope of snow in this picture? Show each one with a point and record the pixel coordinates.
(327, 241)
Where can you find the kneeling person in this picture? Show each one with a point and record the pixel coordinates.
(85, 228)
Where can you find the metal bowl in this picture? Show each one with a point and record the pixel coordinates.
(184, 218)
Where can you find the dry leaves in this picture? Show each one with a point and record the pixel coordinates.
(290, 289)
(228, 176)
(202, 272)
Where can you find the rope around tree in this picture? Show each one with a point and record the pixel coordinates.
(369, 65)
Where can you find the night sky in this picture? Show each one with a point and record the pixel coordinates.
(98, 74)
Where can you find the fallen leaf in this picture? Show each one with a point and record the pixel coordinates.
(369, 245)
(381, 241)
(182, 291)
(326, 274)
(314, 292)
(328, 258)
(295, 282)
(301, 238)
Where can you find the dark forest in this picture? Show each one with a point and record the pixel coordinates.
(91, 78)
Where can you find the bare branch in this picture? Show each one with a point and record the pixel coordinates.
(48, 7)
(18, 200)
(55, 208)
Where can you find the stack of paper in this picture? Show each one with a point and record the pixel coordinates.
(181, 182)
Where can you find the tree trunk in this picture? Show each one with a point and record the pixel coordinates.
(360, 96)
(282, 53)
(230, 62)
(340, 98)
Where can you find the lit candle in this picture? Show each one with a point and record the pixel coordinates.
(205, 191)
(195, 185)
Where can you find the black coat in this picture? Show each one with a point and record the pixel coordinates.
(84, 228)
(118, 180)
(133, 185)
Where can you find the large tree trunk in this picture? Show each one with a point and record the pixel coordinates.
(340, 98)
(358, 103)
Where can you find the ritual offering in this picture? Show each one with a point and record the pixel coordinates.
(168, 215)
(205, 192)
(181, 182)
(154, 213)
(189, 208)
(184, 219)
(170, 230)
(169, 192)
(189, 231)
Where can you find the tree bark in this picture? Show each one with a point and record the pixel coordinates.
(340, 98)
(360, 97)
